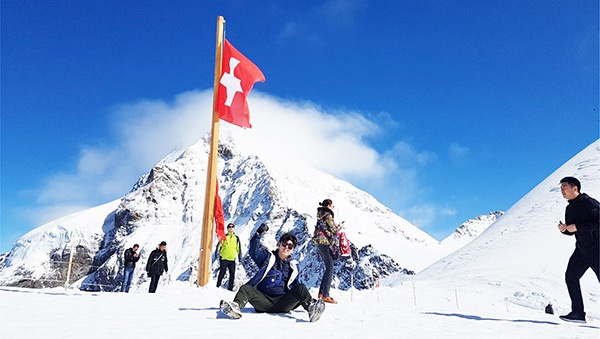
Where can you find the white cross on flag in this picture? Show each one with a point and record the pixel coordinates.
(238, 75)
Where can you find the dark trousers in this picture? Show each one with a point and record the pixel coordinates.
(227, 265)
(578, 264)
(325, 254)
(297, 296)
(153, 282)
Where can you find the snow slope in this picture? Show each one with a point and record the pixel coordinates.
(523, 256)
(191, 312)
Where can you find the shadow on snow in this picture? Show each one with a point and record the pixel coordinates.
(475, 317)
(222, 316)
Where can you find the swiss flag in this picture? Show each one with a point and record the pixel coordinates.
(219, 218)
(238, 75)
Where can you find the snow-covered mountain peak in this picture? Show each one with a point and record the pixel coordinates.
(167, 204)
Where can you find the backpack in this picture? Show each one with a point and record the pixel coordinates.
(345, 249)
(334, 243)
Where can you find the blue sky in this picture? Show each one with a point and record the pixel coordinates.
(443, 110)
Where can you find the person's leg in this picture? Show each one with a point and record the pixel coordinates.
(222, 268)
(231, 267)
(153, 282)
(127, 279)
(328, 275)
(594, 262)
(297, 296)
(126, 274)
(575, 270)
(249, 294)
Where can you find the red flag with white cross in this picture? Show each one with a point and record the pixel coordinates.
(238, 75)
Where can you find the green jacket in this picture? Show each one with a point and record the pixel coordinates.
(230, 247)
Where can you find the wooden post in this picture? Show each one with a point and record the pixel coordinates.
(211, 173)
(70, 262)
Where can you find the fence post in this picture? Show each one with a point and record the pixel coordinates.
(456, 296)
(351, 287)
(377, 286)
(70, 262)
(414, 293)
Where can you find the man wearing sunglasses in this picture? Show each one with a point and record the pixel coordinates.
(274, 288)
(228, 250)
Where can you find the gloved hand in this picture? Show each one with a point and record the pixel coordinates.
(262, 228)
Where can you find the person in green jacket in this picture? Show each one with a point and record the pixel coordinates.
(228, 249)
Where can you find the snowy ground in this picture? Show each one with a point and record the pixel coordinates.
(184, 311)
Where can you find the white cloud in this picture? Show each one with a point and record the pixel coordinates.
(457, 151)
(424, 216)
(332, 15)
(341, 13)
(420, 215)
(147, 131)
(331, 142)
(447, 211)
(408, 156)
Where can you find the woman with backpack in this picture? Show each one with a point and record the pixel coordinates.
(324, 238)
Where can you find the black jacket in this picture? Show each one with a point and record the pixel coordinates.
(583, 212)
(130, 260)
(157, 262)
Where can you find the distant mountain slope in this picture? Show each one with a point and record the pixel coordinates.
(469, 230)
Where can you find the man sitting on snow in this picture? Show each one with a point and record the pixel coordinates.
(273, 289)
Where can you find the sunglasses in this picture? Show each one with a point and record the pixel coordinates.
(230, 226)
(289, 245)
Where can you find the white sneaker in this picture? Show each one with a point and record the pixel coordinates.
(315, 309)
(230, 309)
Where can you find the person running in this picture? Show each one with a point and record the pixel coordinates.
(582, 219)
(274, 288)
(228, 250)
(157, 264)
(131, 256)
(324, 236)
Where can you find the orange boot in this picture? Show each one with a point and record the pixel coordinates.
(329, 300)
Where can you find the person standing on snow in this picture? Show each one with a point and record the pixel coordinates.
(582, 219)
(324, 236)
(131, 257)
(156, 265)
(274, 288)
(228, 249)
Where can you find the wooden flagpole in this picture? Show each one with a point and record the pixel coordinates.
(211, 173)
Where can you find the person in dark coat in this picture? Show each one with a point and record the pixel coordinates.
(157, 265)
(582, 219)
(274, 288)
(131, 256)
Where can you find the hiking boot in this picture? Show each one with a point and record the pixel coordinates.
(574, 317)
(315, 309)
(230, 309)
(328, 300)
